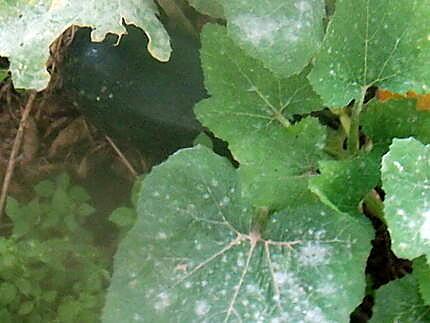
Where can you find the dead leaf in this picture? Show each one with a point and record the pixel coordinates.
(75, 132)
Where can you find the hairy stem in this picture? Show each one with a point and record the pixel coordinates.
(354, 131)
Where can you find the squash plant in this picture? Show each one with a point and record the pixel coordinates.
(282, 237)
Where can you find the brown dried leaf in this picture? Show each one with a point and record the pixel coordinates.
(75, 132)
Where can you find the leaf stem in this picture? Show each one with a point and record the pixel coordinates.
(375, 205)
(354, 131)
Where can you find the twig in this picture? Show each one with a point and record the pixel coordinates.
(14, 153)
(122, 157)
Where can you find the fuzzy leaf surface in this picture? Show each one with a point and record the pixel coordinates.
(385, 44)
(400, 301)
(283, 34)
(195, 254)
(406, 182)
(250, 108)
(344, 183)
(27, 28)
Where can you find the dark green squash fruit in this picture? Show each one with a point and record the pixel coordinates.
(123, 90)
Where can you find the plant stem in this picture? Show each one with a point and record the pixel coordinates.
(14, 153)
(354, 131)
(375, 205)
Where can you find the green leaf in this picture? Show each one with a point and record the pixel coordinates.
(79, 194)
(27, 28)
(8, 292)
(384, 43)
(3, 74)
(249, 108)
(283, 34)
(406, 178)
(45, 188)
(344, 183)
(200, 251)
(208, 7)
(422, 273)
(400, 301)
(395, 119)
(123, 217)
(26, 308)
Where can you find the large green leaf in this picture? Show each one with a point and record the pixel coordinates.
(400, 301)
(283, 34)
(374, 42)
(200, 253)
(422, 273)
(344, 183)
(395, 119)
(27, 28)
(209, 7)
(250, 108)
(406, 181)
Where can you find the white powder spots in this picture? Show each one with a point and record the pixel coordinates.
(137, 317)
(332, 72)
(313, 254)
(257, 29)
(280, 278)
(401, 212)
(399, 166)
(162, 301)
(224, 202)
(201, 308)
(214, 182)
(133, 283)
(206, 196)
(425, 228)
(303, 6)
(314, 315)
(188, 285)
(161, 235)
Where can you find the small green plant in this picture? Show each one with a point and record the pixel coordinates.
(50, 268)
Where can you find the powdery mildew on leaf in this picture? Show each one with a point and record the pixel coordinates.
(374, 42)
(406, 181)
(284, 35)
(250, 108)
(27, 28)
(193, 258)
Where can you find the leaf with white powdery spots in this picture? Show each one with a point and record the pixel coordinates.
(27, 28)
(384, 43)
(200, 253)
(406, 182)
(250, 108)
(283, 34)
